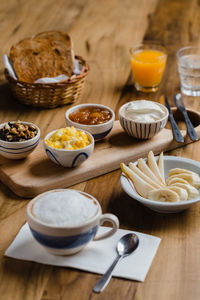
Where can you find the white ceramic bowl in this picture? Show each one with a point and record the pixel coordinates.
(69, 158)
(17, 150)
(165, 207)
(98, 131)
(142, 130)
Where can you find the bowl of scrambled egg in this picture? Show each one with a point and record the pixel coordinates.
(69, 146)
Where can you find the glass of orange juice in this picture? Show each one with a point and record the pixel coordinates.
(148, 64)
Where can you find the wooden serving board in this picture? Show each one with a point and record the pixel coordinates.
(36, 174)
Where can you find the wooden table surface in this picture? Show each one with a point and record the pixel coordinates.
(102, 32)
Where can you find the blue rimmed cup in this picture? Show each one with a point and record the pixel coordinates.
(66, 240)
(98, 131)
(18, 150)
(142, 130)
(69, 158)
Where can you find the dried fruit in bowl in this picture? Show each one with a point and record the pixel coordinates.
(17, 132)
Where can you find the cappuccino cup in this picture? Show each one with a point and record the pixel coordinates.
(64, 221)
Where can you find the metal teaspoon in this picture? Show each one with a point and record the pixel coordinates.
(126, 245)
(190, 129)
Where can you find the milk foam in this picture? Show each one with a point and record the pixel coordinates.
(64, 208)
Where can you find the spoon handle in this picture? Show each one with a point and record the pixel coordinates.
(190, 129)
(104, 280)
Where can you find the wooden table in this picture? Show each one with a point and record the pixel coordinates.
(103, 31)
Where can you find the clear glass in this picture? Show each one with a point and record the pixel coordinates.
(189, 70)
(148, 63)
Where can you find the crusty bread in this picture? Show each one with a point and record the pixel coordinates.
(47, 54)
(58, 41)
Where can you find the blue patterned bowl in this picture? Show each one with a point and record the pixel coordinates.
(18, 150)
(69, 158)
(142, 130)
(98, 131)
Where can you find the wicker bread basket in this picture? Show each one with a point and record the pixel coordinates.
(52, 94)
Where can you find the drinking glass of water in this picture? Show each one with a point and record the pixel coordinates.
(189, 70)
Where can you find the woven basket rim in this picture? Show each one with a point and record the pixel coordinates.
(84, 72)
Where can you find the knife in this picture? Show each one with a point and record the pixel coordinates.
(190, 129)
(176, 131)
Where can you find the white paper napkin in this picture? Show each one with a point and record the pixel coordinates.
(51, 79)
(96, 257)
(8, 66)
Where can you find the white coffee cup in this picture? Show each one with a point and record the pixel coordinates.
(62, 237)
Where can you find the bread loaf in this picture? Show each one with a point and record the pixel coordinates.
(47, 54)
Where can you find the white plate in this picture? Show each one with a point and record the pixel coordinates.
(170, 162)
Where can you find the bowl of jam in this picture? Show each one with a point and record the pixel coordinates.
(95, 118)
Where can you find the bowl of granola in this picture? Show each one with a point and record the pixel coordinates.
(18, 139)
